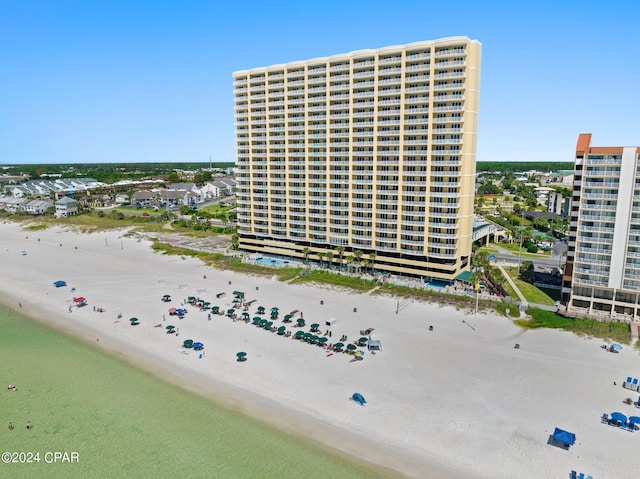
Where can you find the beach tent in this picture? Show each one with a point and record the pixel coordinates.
(618, 419)
(80, 301)
(375, 345)
(198, 346)
(60, 283)
(565, 437)
(359, 398)
(188, 343)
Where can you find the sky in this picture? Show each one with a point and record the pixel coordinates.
(151, 81)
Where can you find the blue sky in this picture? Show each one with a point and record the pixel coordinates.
(125, 81)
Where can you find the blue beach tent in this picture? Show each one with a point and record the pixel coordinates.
(359, 398)
(565, 437)
(60, 283)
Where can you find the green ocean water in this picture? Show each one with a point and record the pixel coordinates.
(125, 423)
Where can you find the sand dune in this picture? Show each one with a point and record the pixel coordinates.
(452, 402)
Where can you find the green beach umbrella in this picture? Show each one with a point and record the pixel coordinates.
(315, 326)
(287, 317)
(242, 356)
(260, 309)
(215, 309)
(231, 311)
(299, 334)
(300, 322)
(338, 346)
(171, 327)
(134, 320)
(268, 325)
(313, 339)
(351, 347)
(323, 340)
(245, 314)
(191, 298)
(282, 329)
(362, 340)
(188, 343)
(256, 319)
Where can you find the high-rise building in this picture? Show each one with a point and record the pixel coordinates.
(368, 154)
(602, 275)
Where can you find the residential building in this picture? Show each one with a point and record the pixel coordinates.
(66, 206)
(602, 275)
(36, 207)
(558, 204)
(370, 151)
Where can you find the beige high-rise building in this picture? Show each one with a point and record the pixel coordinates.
(369, 154)
(602, 275)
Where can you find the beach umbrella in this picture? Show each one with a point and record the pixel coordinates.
(268, 325)
(281, 330)
(242, 356)
(198, 346)
(338, 346)
(215, 309)
(362, 340)
(188, 343)
(245, 315)
(275, 308)
(59, 283)
(191, 298)
(261, 309)
(263, 322)
(256, 319)
(171, 327)
(313, 339)
(287, 317)
(166, 297)
(300, 322)
(134, 321)
(173, 310)
(633, 421)
(323, 340)
(299, 334)
(231, 312)
(315, 326)
(307, 336)
(206, 304)
(351, 347)
(619, 417)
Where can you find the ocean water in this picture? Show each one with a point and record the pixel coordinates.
(114, 420)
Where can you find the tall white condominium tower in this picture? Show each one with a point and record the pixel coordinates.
(364, 159)
(602, 275)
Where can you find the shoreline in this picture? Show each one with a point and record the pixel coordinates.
(449, 403)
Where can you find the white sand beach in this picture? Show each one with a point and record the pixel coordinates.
(452, 402)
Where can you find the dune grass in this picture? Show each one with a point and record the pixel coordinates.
(609, 331)
(336, 279)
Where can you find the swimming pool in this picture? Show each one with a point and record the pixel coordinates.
(272, 262)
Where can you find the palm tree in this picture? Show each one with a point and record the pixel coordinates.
(372, 258)
(235, 241)
(306, 252)
(358, 254)
(340, 250)
(365, 264)
(349, 262)
(321, 257)
(329, 256)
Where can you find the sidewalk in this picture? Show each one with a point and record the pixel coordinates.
(523, 302)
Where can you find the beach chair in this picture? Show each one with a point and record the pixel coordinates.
(627, 383)
(581, 476)
(634, 384)
(574, 475)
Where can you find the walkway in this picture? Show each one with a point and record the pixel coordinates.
(523, 302)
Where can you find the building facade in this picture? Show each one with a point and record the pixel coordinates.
(602, 275)
(372, 151)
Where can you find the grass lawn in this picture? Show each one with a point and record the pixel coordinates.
(532, 293)
(215, 209)
(515, 249)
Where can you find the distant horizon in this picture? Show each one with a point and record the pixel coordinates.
(148, 82)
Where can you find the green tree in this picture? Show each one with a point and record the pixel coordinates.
(372, 258)
(173, 177)
(306, 252)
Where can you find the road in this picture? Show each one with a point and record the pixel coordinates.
(542, 263)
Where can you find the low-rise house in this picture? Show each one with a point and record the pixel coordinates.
(36, 207)
(11, 204)
(145, 199)
(66, 206)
